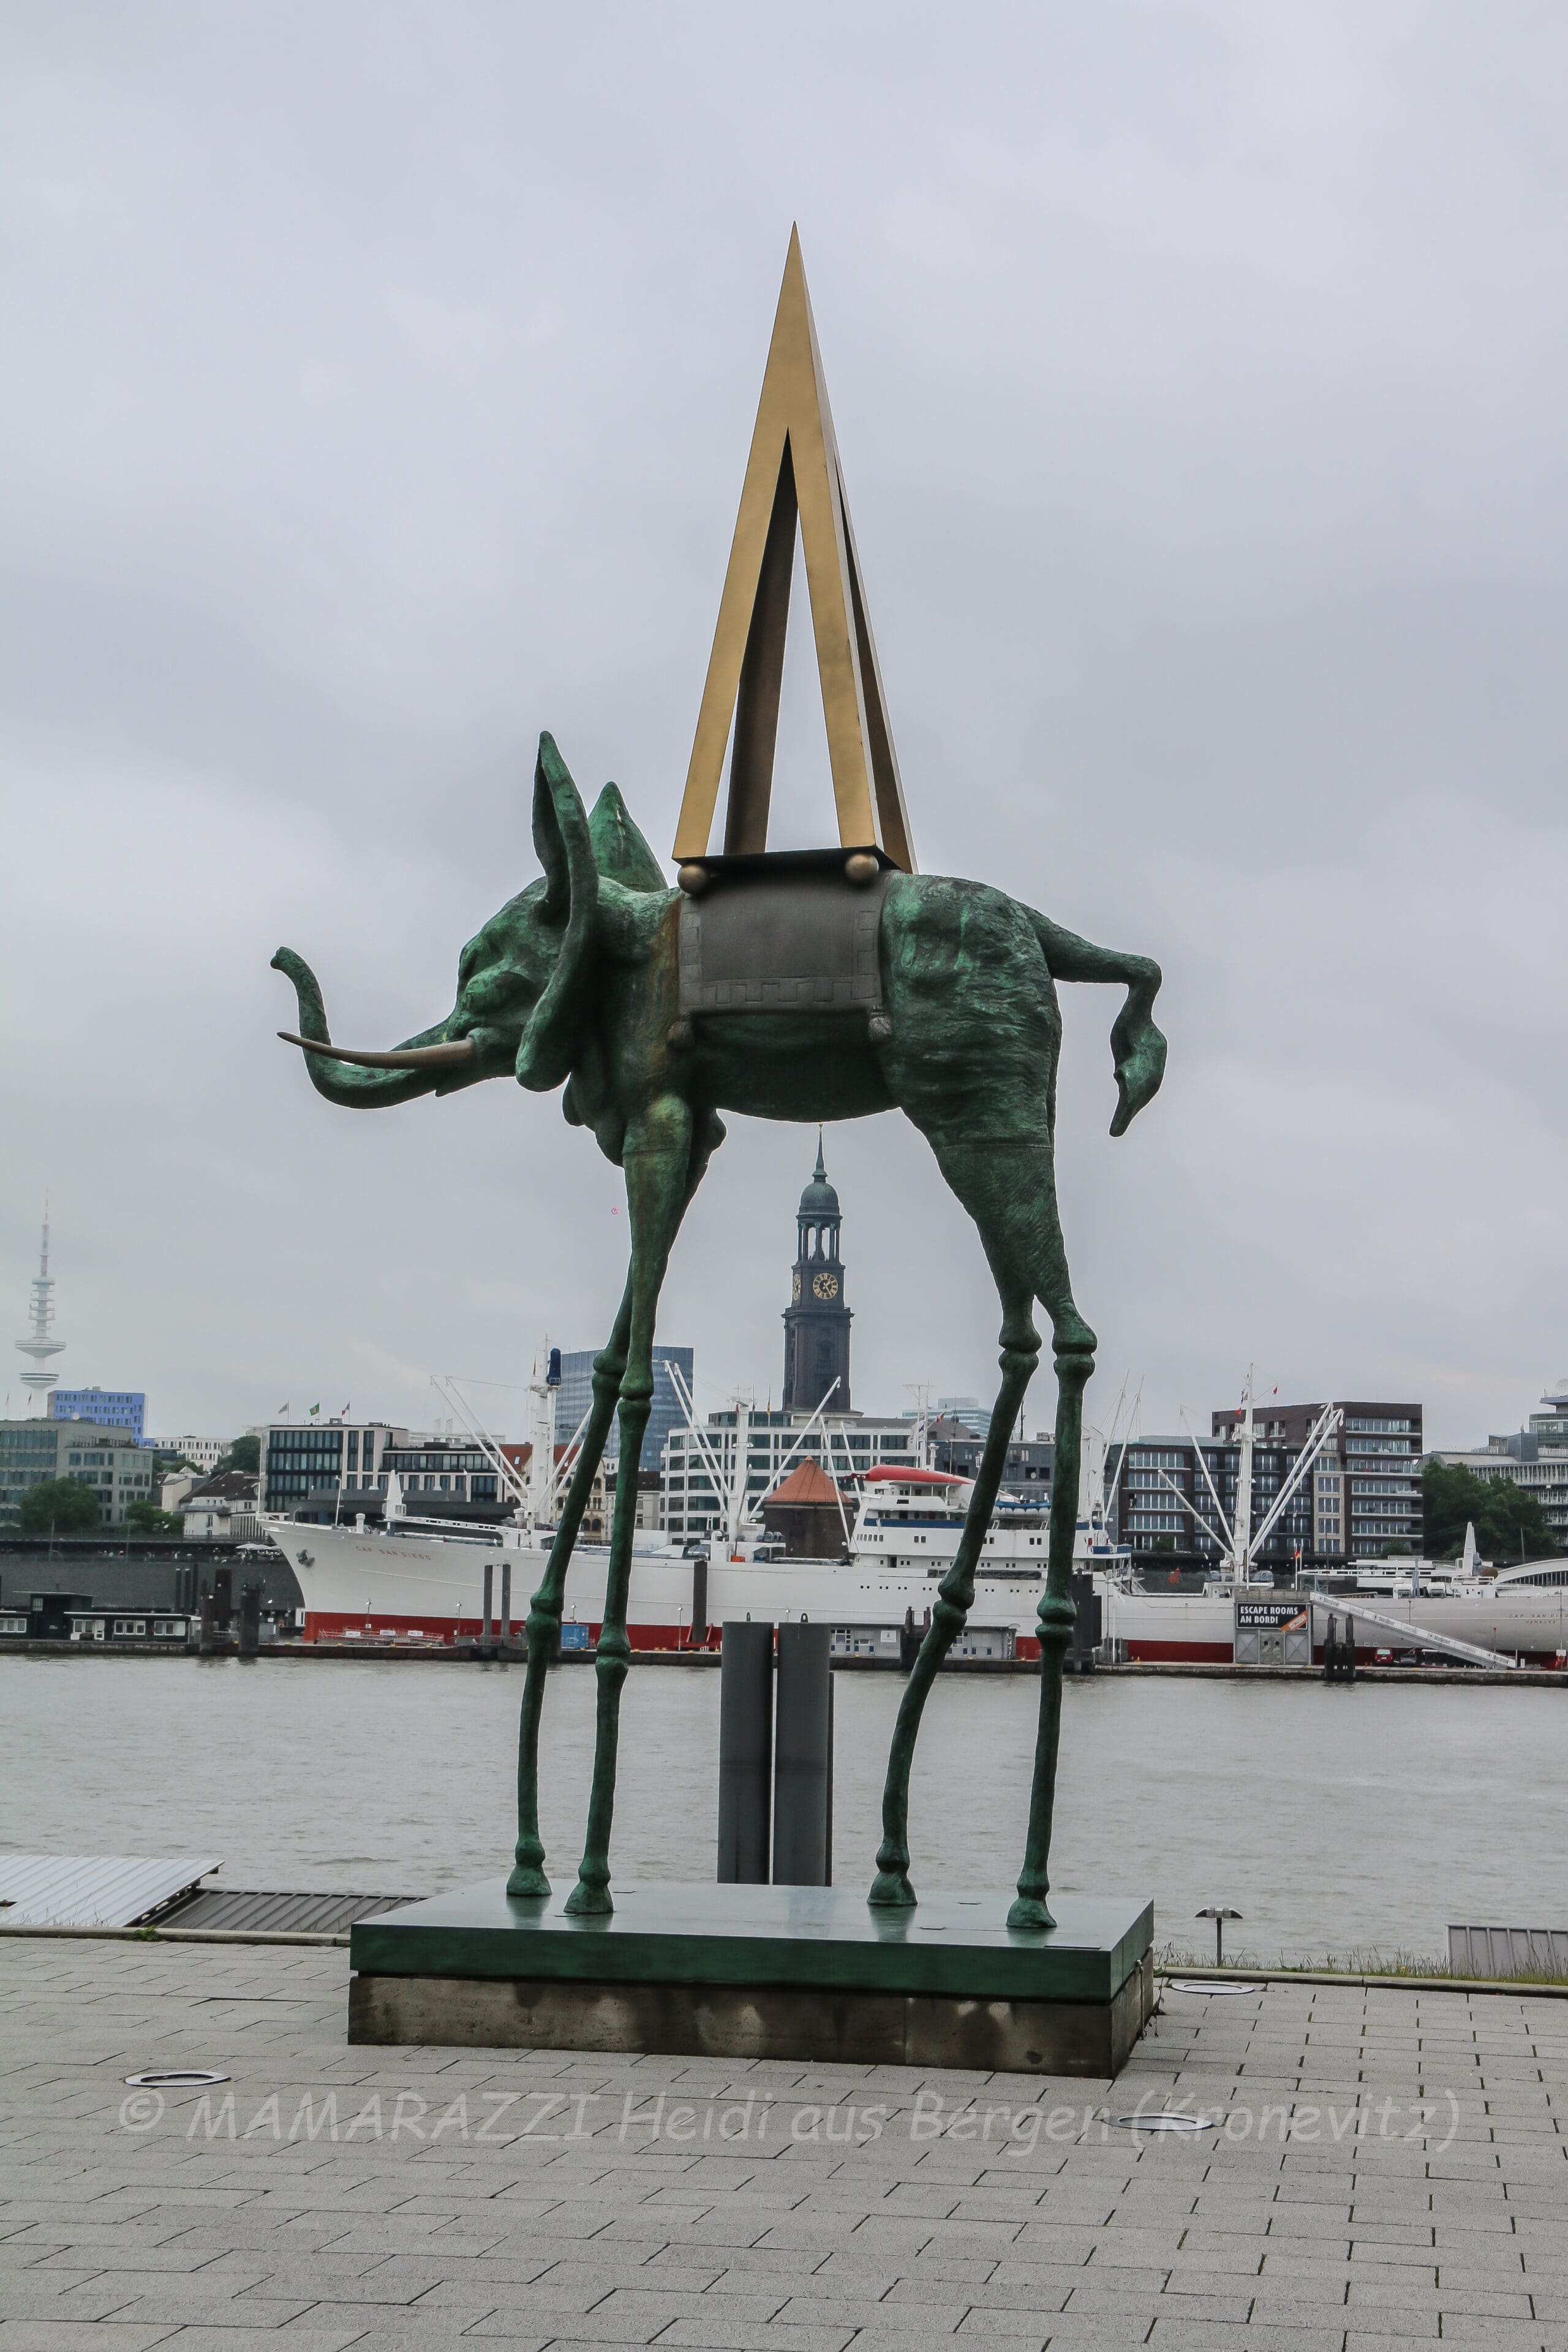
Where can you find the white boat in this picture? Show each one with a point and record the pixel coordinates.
(409, 1578)
(413, 1578)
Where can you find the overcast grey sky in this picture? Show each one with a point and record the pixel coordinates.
(379, 388)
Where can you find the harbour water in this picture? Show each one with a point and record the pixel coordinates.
(1334, 1819)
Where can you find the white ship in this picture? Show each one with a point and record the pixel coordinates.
(411, 1579)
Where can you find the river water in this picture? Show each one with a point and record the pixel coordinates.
(1335, 1819)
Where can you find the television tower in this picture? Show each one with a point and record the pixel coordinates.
(37, 1343)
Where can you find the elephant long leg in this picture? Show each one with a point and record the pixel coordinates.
(1055, 1614)
(1006, 1180)
(955, 1597)
(659, 1164)
(544, 1609)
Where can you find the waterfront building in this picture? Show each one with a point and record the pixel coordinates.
(955, 1446)
(296, 1457)
(601, 1494)
(1535, 1458)
(40, 1447)
(575, 1394)
(1147, 1516)
(967, 1411)
(1361, 1498)
(202, 1454)
(840, 1444)
(818, 1318)
(222, 1510)
(108, 1408)
(1366, 1483)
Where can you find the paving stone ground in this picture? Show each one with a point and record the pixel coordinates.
(1392, 2167)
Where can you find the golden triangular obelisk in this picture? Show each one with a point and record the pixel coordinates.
(793, 470)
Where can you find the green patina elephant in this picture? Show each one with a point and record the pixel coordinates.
(576, 982)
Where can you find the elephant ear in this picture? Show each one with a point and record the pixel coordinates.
(571, 900)
(619, 850)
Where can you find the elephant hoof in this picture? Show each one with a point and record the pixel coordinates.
(527, 1879)
(892, 1891)
(586, 1902)
(1028, 1911)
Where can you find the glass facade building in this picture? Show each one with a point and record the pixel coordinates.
(575, 1394)
(105, 1408)
(299, 1455)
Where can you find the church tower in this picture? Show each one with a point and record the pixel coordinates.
(816, 1322)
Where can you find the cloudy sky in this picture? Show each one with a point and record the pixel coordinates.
(379, 387)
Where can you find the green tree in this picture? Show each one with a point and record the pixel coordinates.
(61, 1507)
(147, 1520)
(1509, 1524)
(1513, 1527)
(245, 1453)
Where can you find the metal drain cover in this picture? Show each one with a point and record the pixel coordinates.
(1162, 2119)
(175, 2078)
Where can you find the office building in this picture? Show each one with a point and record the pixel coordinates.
(839, 1444)
(956, 1448)
(1366, 1483)
(1360, 1500)
(106, 1408)
(296, 1457)
(967, 1411)
(118, 1472)
(202, 1454)
(576, 1395)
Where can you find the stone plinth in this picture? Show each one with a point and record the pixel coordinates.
(789, 1972)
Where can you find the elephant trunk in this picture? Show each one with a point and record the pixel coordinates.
(367, 1081)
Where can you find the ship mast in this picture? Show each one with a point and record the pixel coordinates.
(1241, 1542)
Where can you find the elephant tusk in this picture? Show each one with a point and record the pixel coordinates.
(402, 1057)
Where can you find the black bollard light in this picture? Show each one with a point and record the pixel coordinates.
(1219, 1912)
(802, 1758)
(745, 1752)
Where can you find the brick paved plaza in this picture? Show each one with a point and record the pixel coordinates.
(1393, 2167)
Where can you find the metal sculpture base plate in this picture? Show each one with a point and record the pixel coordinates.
(790, 1972)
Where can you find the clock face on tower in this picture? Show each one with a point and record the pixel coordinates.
(825, 1286)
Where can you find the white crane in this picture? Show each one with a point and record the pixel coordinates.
(1241, 1545)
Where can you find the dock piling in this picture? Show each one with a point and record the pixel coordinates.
(802, 1758)
(745, 1752)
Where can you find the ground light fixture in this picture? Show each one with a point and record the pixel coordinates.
(1219, 1912)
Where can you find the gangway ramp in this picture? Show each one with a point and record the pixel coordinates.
(1412, 1636)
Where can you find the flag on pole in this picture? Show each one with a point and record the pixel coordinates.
(315, 1408)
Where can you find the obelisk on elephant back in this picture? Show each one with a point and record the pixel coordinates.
(802, 986)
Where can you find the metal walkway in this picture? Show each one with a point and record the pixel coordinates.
(1413, 1637)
